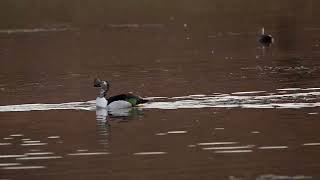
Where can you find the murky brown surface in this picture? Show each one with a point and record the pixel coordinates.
(241, 123)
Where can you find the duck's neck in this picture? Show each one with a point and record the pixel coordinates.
(101, 101)
(102, 93)
(262, 31)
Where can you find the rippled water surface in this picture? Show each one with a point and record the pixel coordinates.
(221, 105)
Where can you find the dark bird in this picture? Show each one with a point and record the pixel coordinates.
(115, 102)
(265, 39)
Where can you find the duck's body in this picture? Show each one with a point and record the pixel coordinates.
(120, 101)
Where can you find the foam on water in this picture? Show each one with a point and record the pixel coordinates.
(228, 147)
(39, 158)
(216, 143)
(23, 167)
(176, 132)
(5, 144)
(9, 164)
(34, 144)
(295, 98)
(149, 153)
(273, 147)
(36, 30)
(88, 153)
(233, 151)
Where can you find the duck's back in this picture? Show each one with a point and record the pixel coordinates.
(129, 98)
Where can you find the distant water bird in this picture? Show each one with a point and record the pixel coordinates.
(265, 39)
(120, 101)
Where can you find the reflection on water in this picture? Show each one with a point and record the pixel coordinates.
(23, 167)
(41, 157)
(149, 153)
(103, 128)
(274, 177)
(233, 151)
(9, 164)
(273, 147)
(88, 154)
(36, 30)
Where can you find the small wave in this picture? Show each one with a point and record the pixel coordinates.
(136, 26)
(36, 30)
(149, 153)
(89, 154)
(23, 167)
(88, 105)
(234, 151)
(293, 99)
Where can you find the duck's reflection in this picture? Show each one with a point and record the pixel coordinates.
(103, 127)
(103, 114)
(103, 118)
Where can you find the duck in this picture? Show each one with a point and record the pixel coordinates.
(121, 101)
(265, 39)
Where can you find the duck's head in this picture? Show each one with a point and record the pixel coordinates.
(104, 85)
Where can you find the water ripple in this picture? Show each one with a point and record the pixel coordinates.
(294, 98)
(149, 153)
(88, 153)
(233, 151)
(24, 167)
(39, 158)
(36, 30)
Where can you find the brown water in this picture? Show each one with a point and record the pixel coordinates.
(222, 106)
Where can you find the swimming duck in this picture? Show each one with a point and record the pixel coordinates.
(265, 39)
(120, 101)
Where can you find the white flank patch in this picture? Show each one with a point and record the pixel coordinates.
(119, 105)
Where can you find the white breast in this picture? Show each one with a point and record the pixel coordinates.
(101, 102)
(119, 105)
